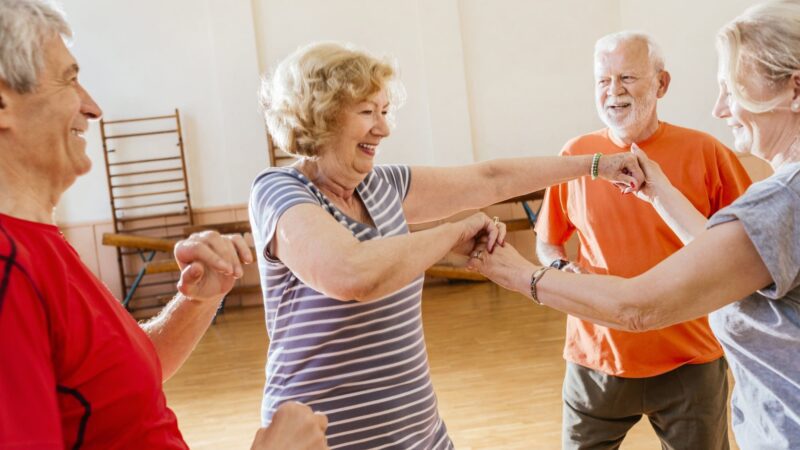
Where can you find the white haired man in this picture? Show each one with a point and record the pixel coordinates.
(676, 376)
(77, 371)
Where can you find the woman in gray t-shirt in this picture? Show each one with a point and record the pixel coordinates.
(743, 265)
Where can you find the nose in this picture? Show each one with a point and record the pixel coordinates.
(89, 107)
(721, 109)
(381, 127)
(615, 87)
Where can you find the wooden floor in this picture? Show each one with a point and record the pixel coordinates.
(495, 361)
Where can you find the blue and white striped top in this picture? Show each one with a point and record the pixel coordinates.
(363, 364)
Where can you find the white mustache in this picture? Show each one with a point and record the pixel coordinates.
(618, 100)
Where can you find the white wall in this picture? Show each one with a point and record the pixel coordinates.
(529, 71)
(484, 78)
(147, 57)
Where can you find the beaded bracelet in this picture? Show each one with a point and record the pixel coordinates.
(596, 165)
(535, 279)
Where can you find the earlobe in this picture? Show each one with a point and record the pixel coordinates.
(664, 79)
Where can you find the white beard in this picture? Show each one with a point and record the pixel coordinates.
(635, 120)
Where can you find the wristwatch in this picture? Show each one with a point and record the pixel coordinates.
(559, 264)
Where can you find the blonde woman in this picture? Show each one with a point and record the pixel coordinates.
(742, 266)
(341, 273)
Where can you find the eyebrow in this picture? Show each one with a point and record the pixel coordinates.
(375, 104)
(71, 70)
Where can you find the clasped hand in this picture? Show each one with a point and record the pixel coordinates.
(210, 263)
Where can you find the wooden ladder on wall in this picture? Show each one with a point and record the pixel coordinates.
(149, 195)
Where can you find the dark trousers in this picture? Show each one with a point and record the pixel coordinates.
(687, 407)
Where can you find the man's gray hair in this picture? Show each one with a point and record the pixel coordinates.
(610, 42)
(24, 25)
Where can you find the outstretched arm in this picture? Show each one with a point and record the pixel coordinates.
(719, 267)
(439, 192)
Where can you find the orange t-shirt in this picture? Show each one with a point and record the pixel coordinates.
(624, 236)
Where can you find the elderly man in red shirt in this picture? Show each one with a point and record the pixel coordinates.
(77, 370)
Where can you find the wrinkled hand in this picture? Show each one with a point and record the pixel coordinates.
(210, 263)
(654, 176)
(477, 229)
(294, 426)
(622, 169)
(503, 266)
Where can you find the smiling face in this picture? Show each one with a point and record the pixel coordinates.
(362, 126)
(46, 126)
(627, 87)
(768, 135)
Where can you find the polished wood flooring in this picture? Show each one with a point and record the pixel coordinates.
(495, 361)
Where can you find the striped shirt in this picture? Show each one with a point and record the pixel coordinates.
(363, 364)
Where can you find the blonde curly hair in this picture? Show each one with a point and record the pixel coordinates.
(303, 99)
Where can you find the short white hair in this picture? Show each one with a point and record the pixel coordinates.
(767, 36)
(24, 25)
(610, 42)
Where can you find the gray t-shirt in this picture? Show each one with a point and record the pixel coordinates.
(761, 333)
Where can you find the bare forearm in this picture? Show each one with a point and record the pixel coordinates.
(372, 269)
(177, 329)
(506, 178)
(519, 176)
(598, 298)
(411, 255)
(438, 193)
(679, 214)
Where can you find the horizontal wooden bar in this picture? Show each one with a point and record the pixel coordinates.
(146, 194)
(161, 297)
(142, 161)
(138, 242)
(140, 119)
(246, 289)
(156, 283)
(154, 227)
(239, 227)
(148, 205)
(453, 273)
(146, 133)
(143, 183)
(150, 216)
(164, 266)
(538, 195)
(517, 224)
(145, 172)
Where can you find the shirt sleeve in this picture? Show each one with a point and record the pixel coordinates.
(729, 181)
(770, 214)
(29, 412)
(399, 176)
(274, 193)
(553, 225)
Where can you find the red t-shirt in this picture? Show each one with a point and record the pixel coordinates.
(77, 371)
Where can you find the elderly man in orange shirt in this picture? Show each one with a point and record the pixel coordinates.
(676, 375)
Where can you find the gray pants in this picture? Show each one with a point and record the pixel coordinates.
(687, 407)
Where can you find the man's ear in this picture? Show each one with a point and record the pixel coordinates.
(663, 83)
(6, 102)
